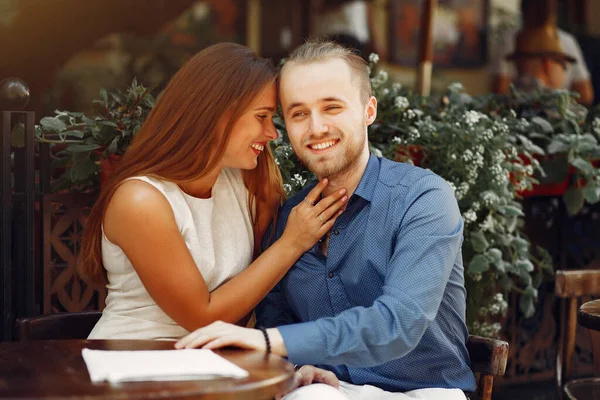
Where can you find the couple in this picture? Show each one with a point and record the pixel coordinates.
(190, 237)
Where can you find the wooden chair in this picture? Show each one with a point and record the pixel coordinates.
(57, 326)
(488, 359)
(570, 285)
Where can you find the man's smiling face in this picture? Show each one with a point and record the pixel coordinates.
(325, 116)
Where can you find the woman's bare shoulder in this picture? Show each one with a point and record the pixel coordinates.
(134, 204)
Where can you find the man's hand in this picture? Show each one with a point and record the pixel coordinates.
(309, 374)
(221, 334)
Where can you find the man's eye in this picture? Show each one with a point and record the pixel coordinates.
(298, 114)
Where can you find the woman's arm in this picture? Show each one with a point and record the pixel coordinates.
(140, 220)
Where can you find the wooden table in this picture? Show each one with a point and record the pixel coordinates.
(589, 317)
(55, 369)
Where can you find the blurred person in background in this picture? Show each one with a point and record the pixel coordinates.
(536, 14)
(347, 22)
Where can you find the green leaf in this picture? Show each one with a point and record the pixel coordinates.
(591, 193)
(520, 244)
(558, 146)
(511, 223)
(104, 96)
(480, 244)
(574, 200)
(527, 305)
(583, 165)
(79, 148)
(82, 168)
(494, 256)
(108, 123)
(525, 265)
(512, 211)
(113, 147)
(543, 124)
(53, 124)
(478, 264)
(76, 133)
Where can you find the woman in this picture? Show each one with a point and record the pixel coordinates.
(173, 231)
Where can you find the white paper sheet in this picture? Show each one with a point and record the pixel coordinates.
(158, 365)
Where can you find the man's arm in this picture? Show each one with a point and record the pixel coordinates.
(427, 246)
(580, 75)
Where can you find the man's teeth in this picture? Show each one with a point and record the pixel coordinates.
(321, 146)
(257, 146)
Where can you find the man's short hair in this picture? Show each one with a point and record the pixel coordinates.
(321, 50)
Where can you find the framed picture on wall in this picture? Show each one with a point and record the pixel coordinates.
(459, 32)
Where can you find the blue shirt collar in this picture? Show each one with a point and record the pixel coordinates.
(368, 182)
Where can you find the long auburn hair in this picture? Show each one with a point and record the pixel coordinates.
(179, 142)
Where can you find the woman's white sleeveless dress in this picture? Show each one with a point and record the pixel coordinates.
(218, 234)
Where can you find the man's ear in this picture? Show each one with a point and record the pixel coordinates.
(371, 110)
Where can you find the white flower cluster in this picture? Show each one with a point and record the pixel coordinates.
(412, 114)
(299, 180)
(287, 188)
(487, 135)
(596, 124)
(379, 79)
(373, 58)
(489, 198)
(413, 134)
(486, 329)
(498, 157)
(397, 140)
(401, 103)
(426, 126)
(522, 124)
(488, 224)
(499, 175)
(473, 117)
(474, 159)
(498, 306)
(470, 216)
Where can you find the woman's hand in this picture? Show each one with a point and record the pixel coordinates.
(310, 220)
(221, 334)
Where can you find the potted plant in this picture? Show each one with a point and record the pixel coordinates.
(90, 148)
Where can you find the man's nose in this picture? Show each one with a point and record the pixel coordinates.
(318, 125)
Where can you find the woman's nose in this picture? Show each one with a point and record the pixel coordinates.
(271, 132)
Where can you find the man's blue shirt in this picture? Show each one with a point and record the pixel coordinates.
(386, 307)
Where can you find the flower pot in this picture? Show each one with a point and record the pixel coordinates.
(409, 152)
(555, 185)
(107, 167)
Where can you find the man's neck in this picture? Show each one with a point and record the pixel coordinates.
(348, 179)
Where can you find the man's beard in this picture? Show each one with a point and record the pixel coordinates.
(324, 166)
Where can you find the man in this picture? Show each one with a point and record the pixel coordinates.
(539, 59)
(537, 13)
(381, 300)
